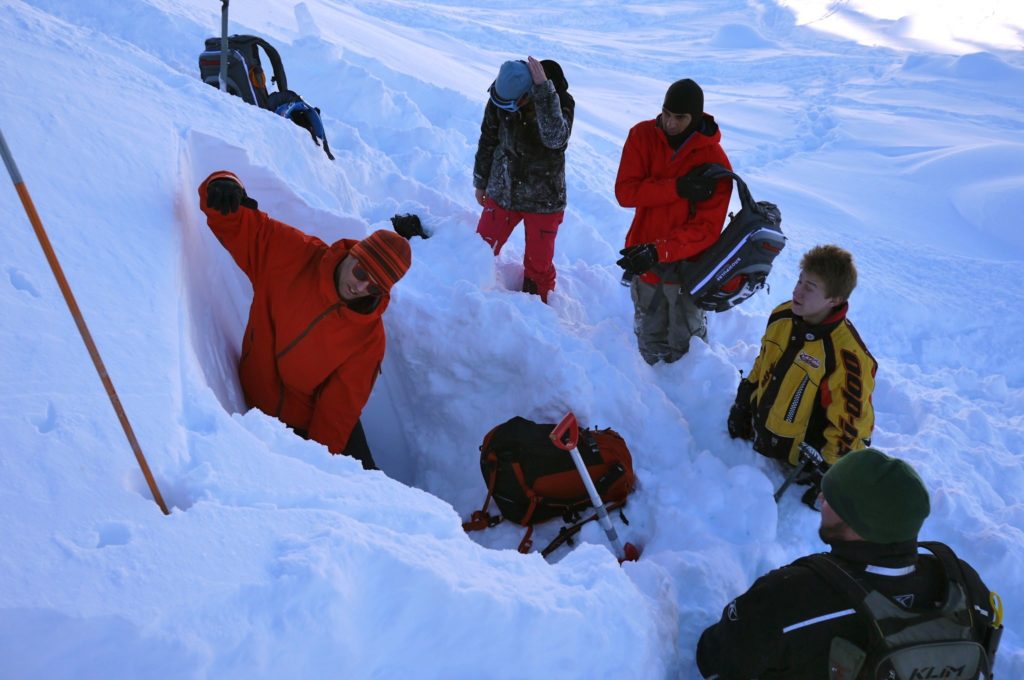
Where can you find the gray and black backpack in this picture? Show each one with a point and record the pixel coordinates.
(246, 78)
(910, 643)
(737, 265)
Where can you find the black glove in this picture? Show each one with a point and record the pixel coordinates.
(810, 497)
(740, 421)
(694, 187)
(225, 195)
(408, 226)
(815, 468)
(639, 258)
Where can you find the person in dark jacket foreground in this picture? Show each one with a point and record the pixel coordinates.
(314, 341)
(519, 171)
(785, 624)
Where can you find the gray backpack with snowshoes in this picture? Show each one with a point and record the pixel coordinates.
(909, 644)
(738, 263)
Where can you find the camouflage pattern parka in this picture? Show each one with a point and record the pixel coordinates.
(520, 159)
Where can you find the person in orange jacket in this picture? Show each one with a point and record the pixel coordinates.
(679, 215)
(315, 340)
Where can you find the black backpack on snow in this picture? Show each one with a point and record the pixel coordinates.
(246, 79)
(737, 265)
(909, 644)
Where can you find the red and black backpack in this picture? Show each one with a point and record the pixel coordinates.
(531, 480)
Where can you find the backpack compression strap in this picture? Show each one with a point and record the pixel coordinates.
(481, 519)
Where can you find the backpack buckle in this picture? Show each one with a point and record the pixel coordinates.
(480, 520)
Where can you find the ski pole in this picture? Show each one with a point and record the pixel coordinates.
(65, 288)
(224, 46)
(809, 456)
(790, 478)
(565, 436)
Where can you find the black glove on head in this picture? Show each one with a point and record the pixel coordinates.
(694, 187)
(639, 258)
(225, 195)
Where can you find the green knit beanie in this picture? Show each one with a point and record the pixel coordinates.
(881, 498)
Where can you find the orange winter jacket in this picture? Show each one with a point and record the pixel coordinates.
(307, 357)
(647, 181)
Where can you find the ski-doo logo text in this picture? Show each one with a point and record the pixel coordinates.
(853, 402)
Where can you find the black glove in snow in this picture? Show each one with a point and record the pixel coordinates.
(408, 226)
(810, 498)
(226, 195)
(694, 187)
(739, 423)
(741, 416)
(639, 258)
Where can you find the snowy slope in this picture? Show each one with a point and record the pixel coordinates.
(278, 559)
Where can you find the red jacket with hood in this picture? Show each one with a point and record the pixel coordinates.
(647, 182)
(308, 357)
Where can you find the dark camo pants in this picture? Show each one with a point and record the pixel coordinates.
(664, 321)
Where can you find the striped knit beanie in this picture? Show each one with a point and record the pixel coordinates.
(385, 255)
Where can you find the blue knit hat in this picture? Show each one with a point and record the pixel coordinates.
(513, 81)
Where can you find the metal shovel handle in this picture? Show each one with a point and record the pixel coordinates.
(566, 436)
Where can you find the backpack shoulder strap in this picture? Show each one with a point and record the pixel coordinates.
(275, 62)
(954, 577)
(718, 171)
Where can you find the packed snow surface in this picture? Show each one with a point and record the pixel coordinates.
(893, 129)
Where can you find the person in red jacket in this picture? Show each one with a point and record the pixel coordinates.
(679, 215)
(314, 341)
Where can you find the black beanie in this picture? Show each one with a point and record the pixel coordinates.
(881, 498)
(685, 96)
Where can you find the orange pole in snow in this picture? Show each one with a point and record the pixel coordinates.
(69, 297)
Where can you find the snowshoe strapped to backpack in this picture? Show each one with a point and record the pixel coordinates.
(246, 79)
(738, 263)
(532, 480)
(908, 644)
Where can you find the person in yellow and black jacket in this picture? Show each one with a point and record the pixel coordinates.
(813, 378)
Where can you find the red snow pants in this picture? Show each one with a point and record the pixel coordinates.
(496, 225)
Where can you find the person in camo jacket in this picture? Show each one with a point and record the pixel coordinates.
(519, 171)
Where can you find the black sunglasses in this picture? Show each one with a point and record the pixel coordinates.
(363, 275)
